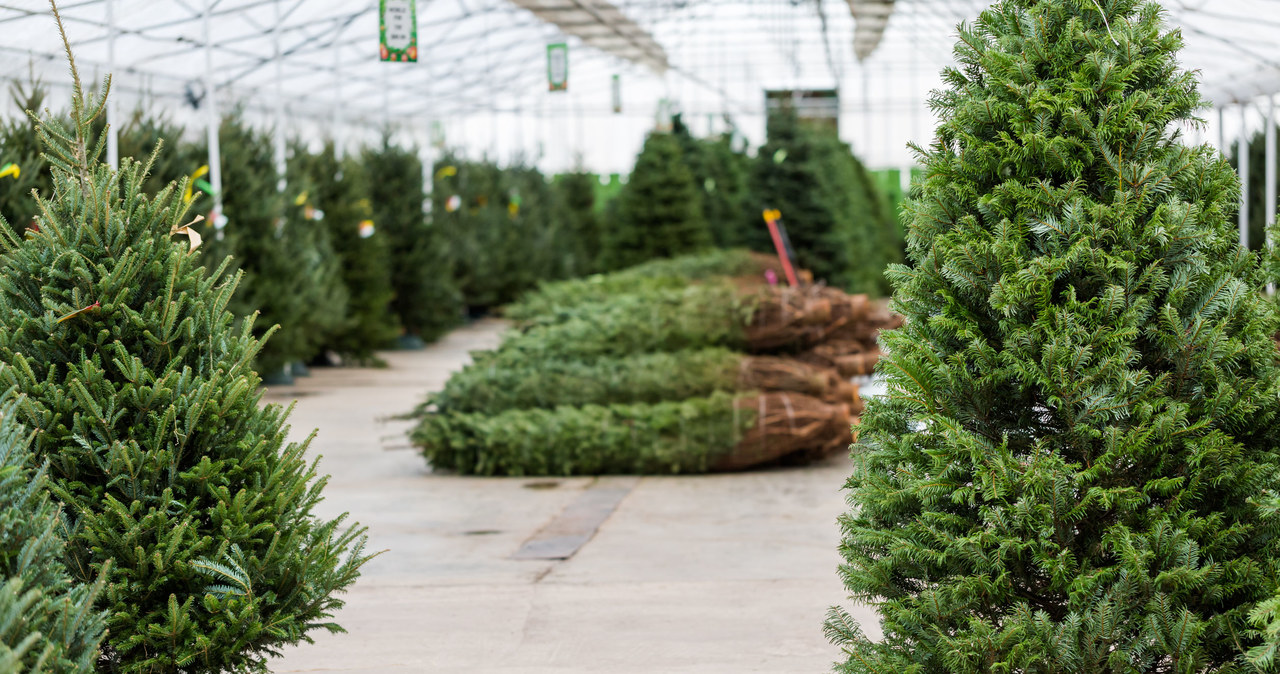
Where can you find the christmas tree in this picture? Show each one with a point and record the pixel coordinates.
(148, 415)
(256, 235)
(720, 174)
(1065, 473)
(580, 222)
(310, 248)
(339, 188)
(47, 624)
(838, 221)
(426, 300)
(659, 211)
(20, 159)
(502, 236)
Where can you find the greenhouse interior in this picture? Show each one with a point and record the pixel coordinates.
(639, 336)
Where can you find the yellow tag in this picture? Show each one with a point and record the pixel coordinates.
(772, 214)
(10, 169)
(200, 172)
(301, 199)
(447, 172)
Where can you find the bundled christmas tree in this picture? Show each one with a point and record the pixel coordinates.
(1065, 475)
(171, 473)
(425, 299)
(659, 212)
(718, 432)
(836, 218)
(500, 381)
(339, 190)
(662, 273)
(47, 623)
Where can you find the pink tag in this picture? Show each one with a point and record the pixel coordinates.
(771, 276)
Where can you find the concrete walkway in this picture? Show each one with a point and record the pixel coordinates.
(722, 573)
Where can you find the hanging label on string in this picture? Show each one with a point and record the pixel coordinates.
(558, 67)
(398, 30)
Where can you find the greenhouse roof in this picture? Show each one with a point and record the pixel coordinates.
(480, 82)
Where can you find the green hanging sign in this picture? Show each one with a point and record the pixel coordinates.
(558, 67)
(398, 30)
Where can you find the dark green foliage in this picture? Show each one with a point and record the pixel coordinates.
(676, 272)
(502, 237)
(148, 413)
(837, 219)
(1065, 476)
(660, 320)
(659, 212)
(669, 437)
(720, 174)
(340, 189)
(277, 282)
(426, 301)
(580, 222)
(18, 144)
(322, 296)
(47, 624)
(499, 381)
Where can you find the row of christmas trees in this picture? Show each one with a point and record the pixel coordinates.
(343, 258)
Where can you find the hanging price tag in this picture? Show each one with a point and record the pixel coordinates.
(558, 67)
(398, 30)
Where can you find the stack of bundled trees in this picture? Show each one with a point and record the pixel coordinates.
(667, 367)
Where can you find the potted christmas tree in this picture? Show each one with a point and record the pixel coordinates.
(1065, 474)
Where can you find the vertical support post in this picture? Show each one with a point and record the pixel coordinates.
(865, 144)
(1222, 130)
(1243, 147)
(278, 139)
(338, 139)
(211, 118)
(1270, 175)
(113, 117)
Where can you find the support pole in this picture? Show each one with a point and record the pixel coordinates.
(1243, 147)
(211, 119)
(1270, 175)
(113, 116)
(1222, 130)
(338, 139)
(278, 139)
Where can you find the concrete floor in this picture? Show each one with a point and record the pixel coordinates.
(721, 573)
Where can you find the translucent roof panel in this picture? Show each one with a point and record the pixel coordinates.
(481, 80)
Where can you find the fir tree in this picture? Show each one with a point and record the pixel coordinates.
(502, 236)
(720, 174)
(1064, 475)
(837, 219)
(47, 624)
(659, 211)
(577, 199)
(340, 189)
(18, 145)
(149, 417)
(426, 300)
(275, 283)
